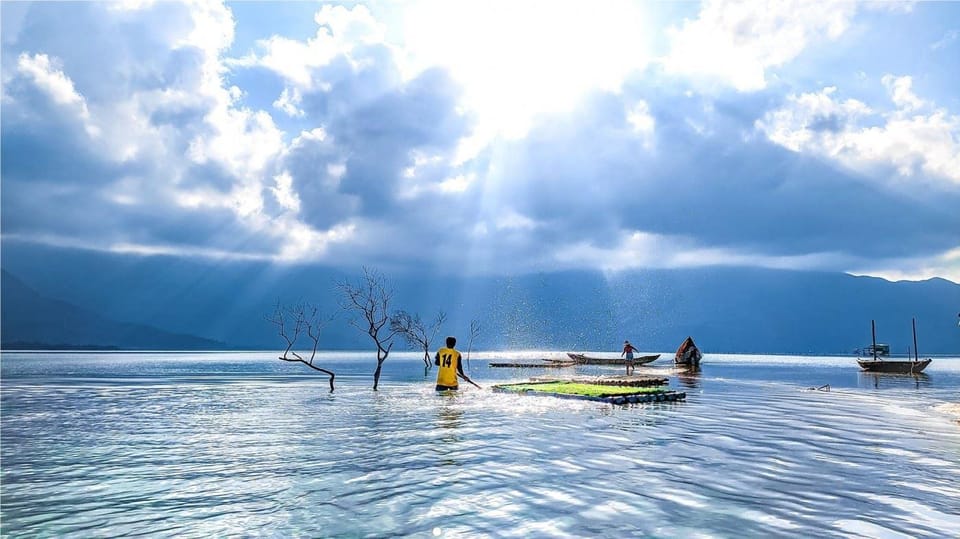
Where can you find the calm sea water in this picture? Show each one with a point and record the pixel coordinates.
(241, 444)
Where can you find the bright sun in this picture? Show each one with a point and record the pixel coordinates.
(517, 60)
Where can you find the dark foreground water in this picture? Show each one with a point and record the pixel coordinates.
(240, 444)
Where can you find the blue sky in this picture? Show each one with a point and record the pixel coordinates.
(488, 137)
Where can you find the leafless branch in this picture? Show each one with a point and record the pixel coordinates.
(415, 332)
(290, 322)
(474, 333)
(369, 301)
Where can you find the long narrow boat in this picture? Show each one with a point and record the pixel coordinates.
(588, 360)
(893, 366)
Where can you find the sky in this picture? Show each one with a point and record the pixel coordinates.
(489, 137)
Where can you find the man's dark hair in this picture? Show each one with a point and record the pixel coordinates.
(451, 342)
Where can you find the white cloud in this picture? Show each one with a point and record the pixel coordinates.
(57, 85)
(289, 102)
(456, 184)
(736, 42)
(638, 249)
(301, 243)
(909, 142)
(512, 220)
(642, 122)
(945, 265)
(519, 60)
(51, 80)
(283, 191)
(340, 31)
(901, 92)
(806, 117)
(946, 40)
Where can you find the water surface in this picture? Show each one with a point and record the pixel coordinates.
(219, 444)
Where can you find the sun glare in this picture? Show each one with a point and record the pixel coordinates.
(517, 60)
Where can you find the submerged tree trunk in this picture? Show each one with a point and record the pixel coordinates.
(290, 323)
(312, 366)
(382, 354)
(376, 374)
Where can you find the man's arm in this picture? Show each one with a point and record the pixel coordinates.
(436, 359)
(460, 371)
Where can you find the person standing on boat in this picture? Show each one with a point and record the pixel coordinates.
(628, 351)
(450, 362)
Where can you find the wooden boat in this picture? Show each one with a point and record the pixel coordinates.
(893, 366)
(550, 364)
(688, 353)
(583, 359)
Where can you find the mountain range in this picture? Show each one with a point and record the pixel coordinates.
(31, 321)
(122, 301)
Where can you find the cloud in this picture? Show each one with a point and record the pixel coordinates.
(945, 265)
(520, 60)
(948, 39)
(165, 159)
(915, 141)
(737, 42)
(695, 195)
(344, 147)
(339, 32)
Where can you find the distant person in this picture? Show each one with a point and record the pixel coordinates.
(451, 366)
(628, 350)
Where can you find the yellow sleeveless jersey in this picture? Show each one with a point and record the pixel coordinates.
(447, 375)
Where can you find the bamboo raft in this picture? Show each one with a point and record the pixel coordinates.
(625, 381)
(593, 392)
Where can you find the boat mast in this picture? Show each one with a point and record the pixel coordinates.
(873, 332)
(916, 353)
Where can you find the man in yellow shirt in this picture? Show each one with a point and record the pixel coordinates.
(448, 359)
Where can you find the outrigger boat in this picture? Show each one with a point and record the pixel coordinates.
(582, 359)
(893, 366)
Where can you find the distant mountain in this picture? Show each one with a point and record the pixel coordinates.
(32, 321)
(727, 310)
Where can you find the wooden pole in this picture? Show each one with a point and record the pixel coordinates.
(873, 331)
(916, 353)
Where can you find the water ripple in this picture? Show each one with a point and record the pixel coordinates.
(223, 445)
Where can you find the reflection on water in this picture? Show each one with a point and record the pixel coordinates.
(886, 380)
(449, 417)
(231, 445)
(690, 378)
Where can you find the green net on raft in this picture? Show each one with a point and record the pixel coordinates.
(576, 388)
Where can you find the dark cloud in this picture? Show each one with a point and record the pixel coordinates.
(374, 126)
(709, 176)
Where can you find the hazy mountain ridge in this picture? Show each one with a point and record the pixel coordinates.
(727, 310)
(31, 321)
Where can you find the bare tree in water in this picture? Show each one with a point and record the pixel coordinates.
(416, 333)
(474, 333)
(369, 300)
(291, 322)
